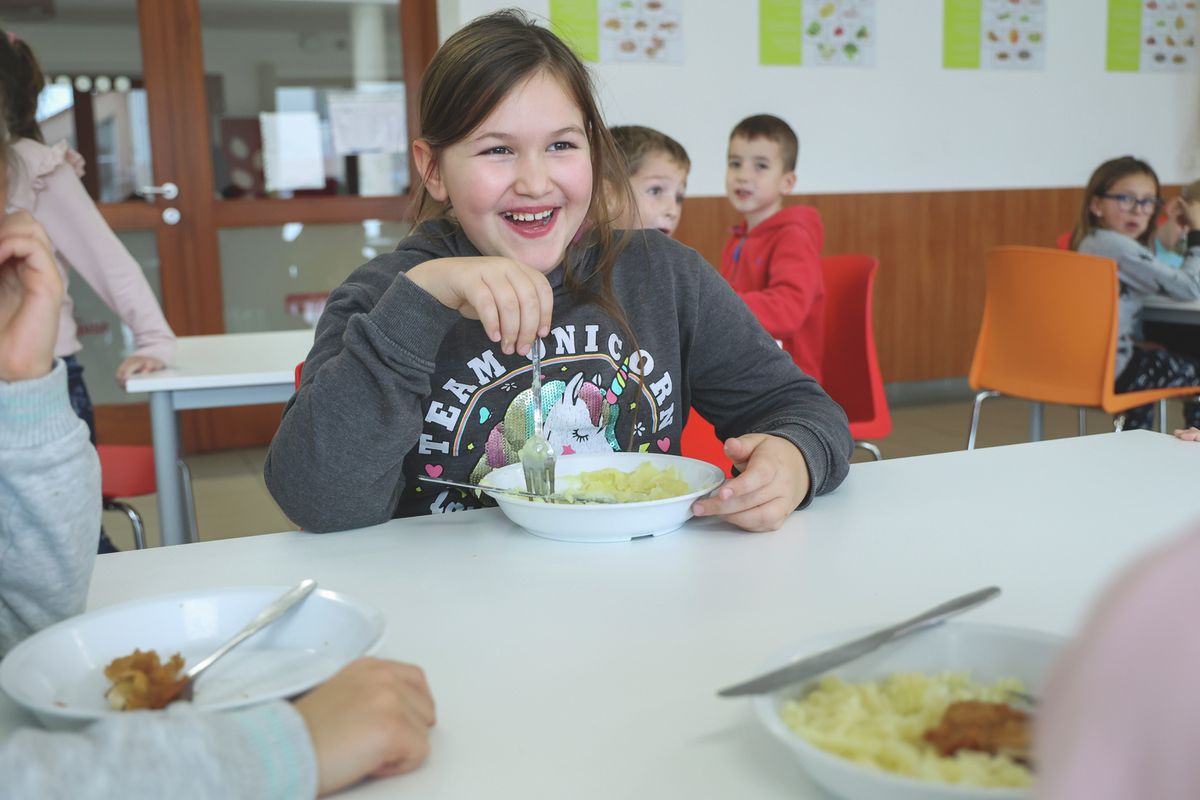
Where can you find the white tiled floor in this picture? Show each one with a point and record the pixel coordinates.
(232, 498)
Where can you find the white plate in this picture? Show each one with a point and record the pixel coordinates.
(605, 522)
(58, 673)
(988, 652)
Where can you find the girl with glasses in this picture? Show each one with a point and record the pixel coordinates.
(1117, 220)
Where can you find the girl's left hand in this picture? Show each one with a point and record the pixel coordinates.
(773, 481)
(135, 365)
(1188, 435)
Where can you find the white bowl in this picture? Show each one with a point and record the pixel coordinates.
(605, 522)
(58, 673)
(988, 652)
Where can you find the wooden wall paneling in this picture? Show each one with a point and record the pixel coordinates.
(930, 245)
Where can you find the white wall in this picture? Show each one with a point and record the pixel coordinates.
(905, 124)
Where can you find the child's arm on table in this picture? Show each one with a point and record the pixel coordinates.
(792, 442)
(337, 460)
(80, 233)
(371, 719)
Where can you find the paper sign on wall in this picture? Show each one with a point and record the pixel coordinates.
(994, 34)
(614, 31)
(292, 153)
(817, 32)
(1151, 35)
(368, 122)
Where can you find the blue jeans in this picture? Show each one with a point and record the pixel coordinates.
(81, 403)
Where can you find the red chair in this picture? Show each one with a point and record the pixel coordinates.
(700, 441)
(849, 363)
(127, 470)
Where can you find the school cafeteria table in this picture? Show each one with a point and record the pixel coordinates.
(233, 369)
(590, 671)
(1164, 309)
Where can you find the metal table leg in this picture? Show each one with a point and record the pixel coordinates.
(165, 432)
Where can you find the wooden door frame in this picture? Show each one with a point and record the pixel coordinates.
(173, 66)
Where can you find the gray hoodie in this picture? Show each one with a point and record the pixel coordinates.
(397, 385)
(1143, 276)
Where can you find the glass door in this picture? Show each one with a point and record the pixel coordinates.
(250, 153)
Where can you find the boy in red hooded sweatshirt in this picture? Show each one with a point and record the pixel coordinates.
(773, 259)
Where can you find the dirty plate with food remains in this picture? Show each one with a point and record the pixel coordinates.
(58, 674)
(680, 480)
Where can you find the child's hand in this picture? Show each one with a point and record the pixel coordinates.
(1190, 218)
(370, 719)
(136, 365)
(1189, 435)
(773, 481)
(513, 302)
(31, 293)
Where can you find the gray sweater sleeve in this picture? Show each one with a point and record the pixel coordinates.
(261, 753)
(49, 506)
(742, 382)
(1141, 271)
(336, 461)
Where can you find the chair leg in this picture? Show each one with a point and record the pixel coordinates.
(1082, 421)
(1036, 419)
(979, 398)
(870, 448)
(1162, 415)
(135, 519)
(189, 501)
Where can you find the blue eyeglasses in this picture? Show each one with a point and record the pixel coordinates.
(1128, 202)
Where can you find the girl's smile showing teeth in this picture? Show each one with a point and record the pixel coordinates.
(531, 224)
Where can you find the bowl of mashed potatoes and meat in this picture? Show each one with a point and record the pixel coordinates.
(936, 716)
(623, 496)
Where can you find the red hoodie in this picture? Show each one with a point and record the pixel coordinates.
(776, 269)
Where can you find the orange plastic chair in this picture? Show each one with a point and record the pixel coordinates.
(1035, 346)
(850, 363)
(127, 470)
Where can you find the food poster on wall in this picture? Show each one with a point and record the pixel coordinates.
(817, 32)
(613, 31)
(1151, 35)
(994, 34)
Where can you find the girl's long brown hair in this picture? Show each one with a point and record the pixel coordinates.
(21, 81)
(469, 76)
(1101, 182)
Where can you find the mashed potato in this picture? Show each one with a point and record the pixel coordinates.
(646, 482)
(880, 724)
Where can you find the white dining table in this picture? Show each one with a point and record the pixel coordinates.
(591, 671)
(232, 369)
(1166, 309)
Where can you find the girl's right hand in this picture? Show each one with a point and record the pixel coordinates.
(513, 302)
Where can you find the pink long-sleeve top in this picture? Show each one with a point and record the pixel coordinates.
(1120, 717)
(45, 182)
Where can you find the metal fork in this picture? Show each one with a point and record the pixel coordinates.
(537, 456)
(264, 618)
